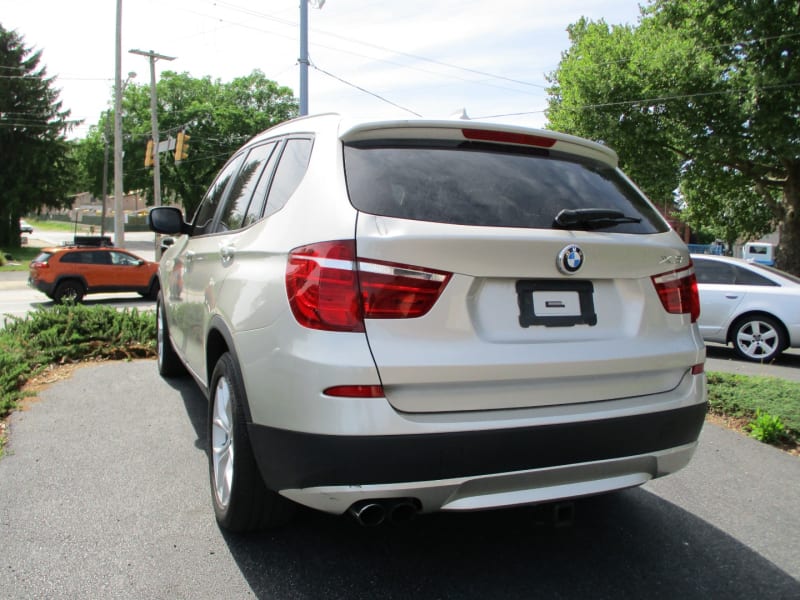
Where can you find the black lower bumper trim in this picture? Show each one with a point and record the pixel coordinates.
(291, 460)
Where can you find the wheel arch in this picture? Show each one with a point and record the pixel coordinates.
(755, 314)
(218, 342)
(62, 278)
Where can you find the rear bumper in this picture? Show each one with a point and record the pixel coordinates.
(42, 286)
(503, 466)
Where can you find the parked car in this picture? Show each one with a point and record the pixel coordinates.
(759, 252)
(71, 272)
(752, 306)
(25, 227)
(411, 316)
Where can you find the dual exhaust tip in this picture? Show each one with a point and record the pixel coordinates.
(371, 513)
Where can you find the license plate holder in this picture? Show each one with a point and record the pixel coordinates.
(555, 303)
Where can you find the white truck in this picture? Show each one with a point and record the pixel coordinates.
(760, 252)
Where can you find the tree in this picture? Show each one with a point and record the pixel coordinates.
(702, 97)
(219, 117)
(36, 167)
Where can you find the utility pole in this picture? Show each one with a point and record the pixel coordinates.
(105, 179)
(119, 224)
(154, 120)
(303, 60)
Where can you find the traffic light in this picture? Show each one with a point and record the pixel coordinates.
(181, 147)
(148, 154)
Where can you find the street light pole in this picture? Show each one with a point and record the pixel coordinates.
(154, 120)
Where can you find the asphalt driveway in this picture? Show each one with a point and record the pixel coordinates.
(104, 494)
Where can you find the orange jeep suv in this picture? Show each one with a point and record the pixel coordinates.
(71, 272)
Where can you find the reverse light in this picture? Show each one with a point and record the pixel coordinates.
(329, 288)
(678, 292)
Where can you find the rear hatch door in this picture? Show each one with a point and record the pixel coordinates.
(542, 307)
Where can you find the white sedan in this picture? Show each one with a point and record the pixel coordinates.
(754, 307)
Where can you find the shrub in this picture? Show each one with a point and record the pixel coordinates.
(767, 428)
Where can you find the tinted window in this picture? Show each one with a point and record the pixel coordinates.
(99, 258)
(42, 257)
(86, 257)
(204, 216)
(291, 168)
(723, 273)
(479, 184)
(233, 214)
(256, 208)
(73, 257)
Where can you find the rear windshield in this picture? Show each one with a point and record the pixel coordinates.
(467, 183)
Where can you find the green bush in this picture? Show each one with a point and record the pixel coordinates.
(767, 428)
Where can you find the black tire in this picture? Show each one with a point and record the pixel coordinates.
(242, 503)
(69, 291)
(169, 365)
(152, 293)
(758, 338)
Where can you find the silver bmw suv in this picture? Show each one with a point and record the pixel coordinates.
(403, 317)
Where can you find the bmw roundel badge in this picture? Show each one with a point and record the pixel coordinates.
(570, 259)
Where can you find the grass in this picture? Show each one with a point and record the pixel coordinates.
(21, 256)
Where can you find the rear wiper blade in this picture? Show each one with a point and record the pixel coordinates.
(592, 218)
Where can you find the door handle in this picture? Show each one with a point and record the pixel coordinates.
(731, 296)
(227, 253)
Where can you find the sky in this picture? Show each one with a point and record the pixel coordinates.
(373, 59)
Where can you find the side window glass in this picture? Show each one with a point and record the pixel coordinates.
(119, 258)
(747, 277)
(291, 168)
(204, 217)
(99, 258)
(233, 213)
(260, 195)
(709, 271)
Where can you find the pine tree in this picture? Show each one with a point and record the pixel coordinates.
(35, 164)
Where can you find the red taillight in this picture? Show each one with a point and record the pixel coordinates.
(322, 286)
(329, 289)
(678, 292)
(35, 264)
(393, 291)
(698, 369)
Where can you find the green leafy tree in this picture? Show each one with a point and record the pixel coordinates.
(218, 117)
(701, 96)
(37, 168)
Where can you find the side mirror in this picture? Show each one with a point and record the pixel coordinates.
(168, 220)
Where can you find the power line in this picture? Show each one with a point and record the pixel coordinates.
(353, 85)
(654, 99)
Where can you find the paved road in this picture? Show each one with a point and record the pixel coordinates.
(104, 494)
